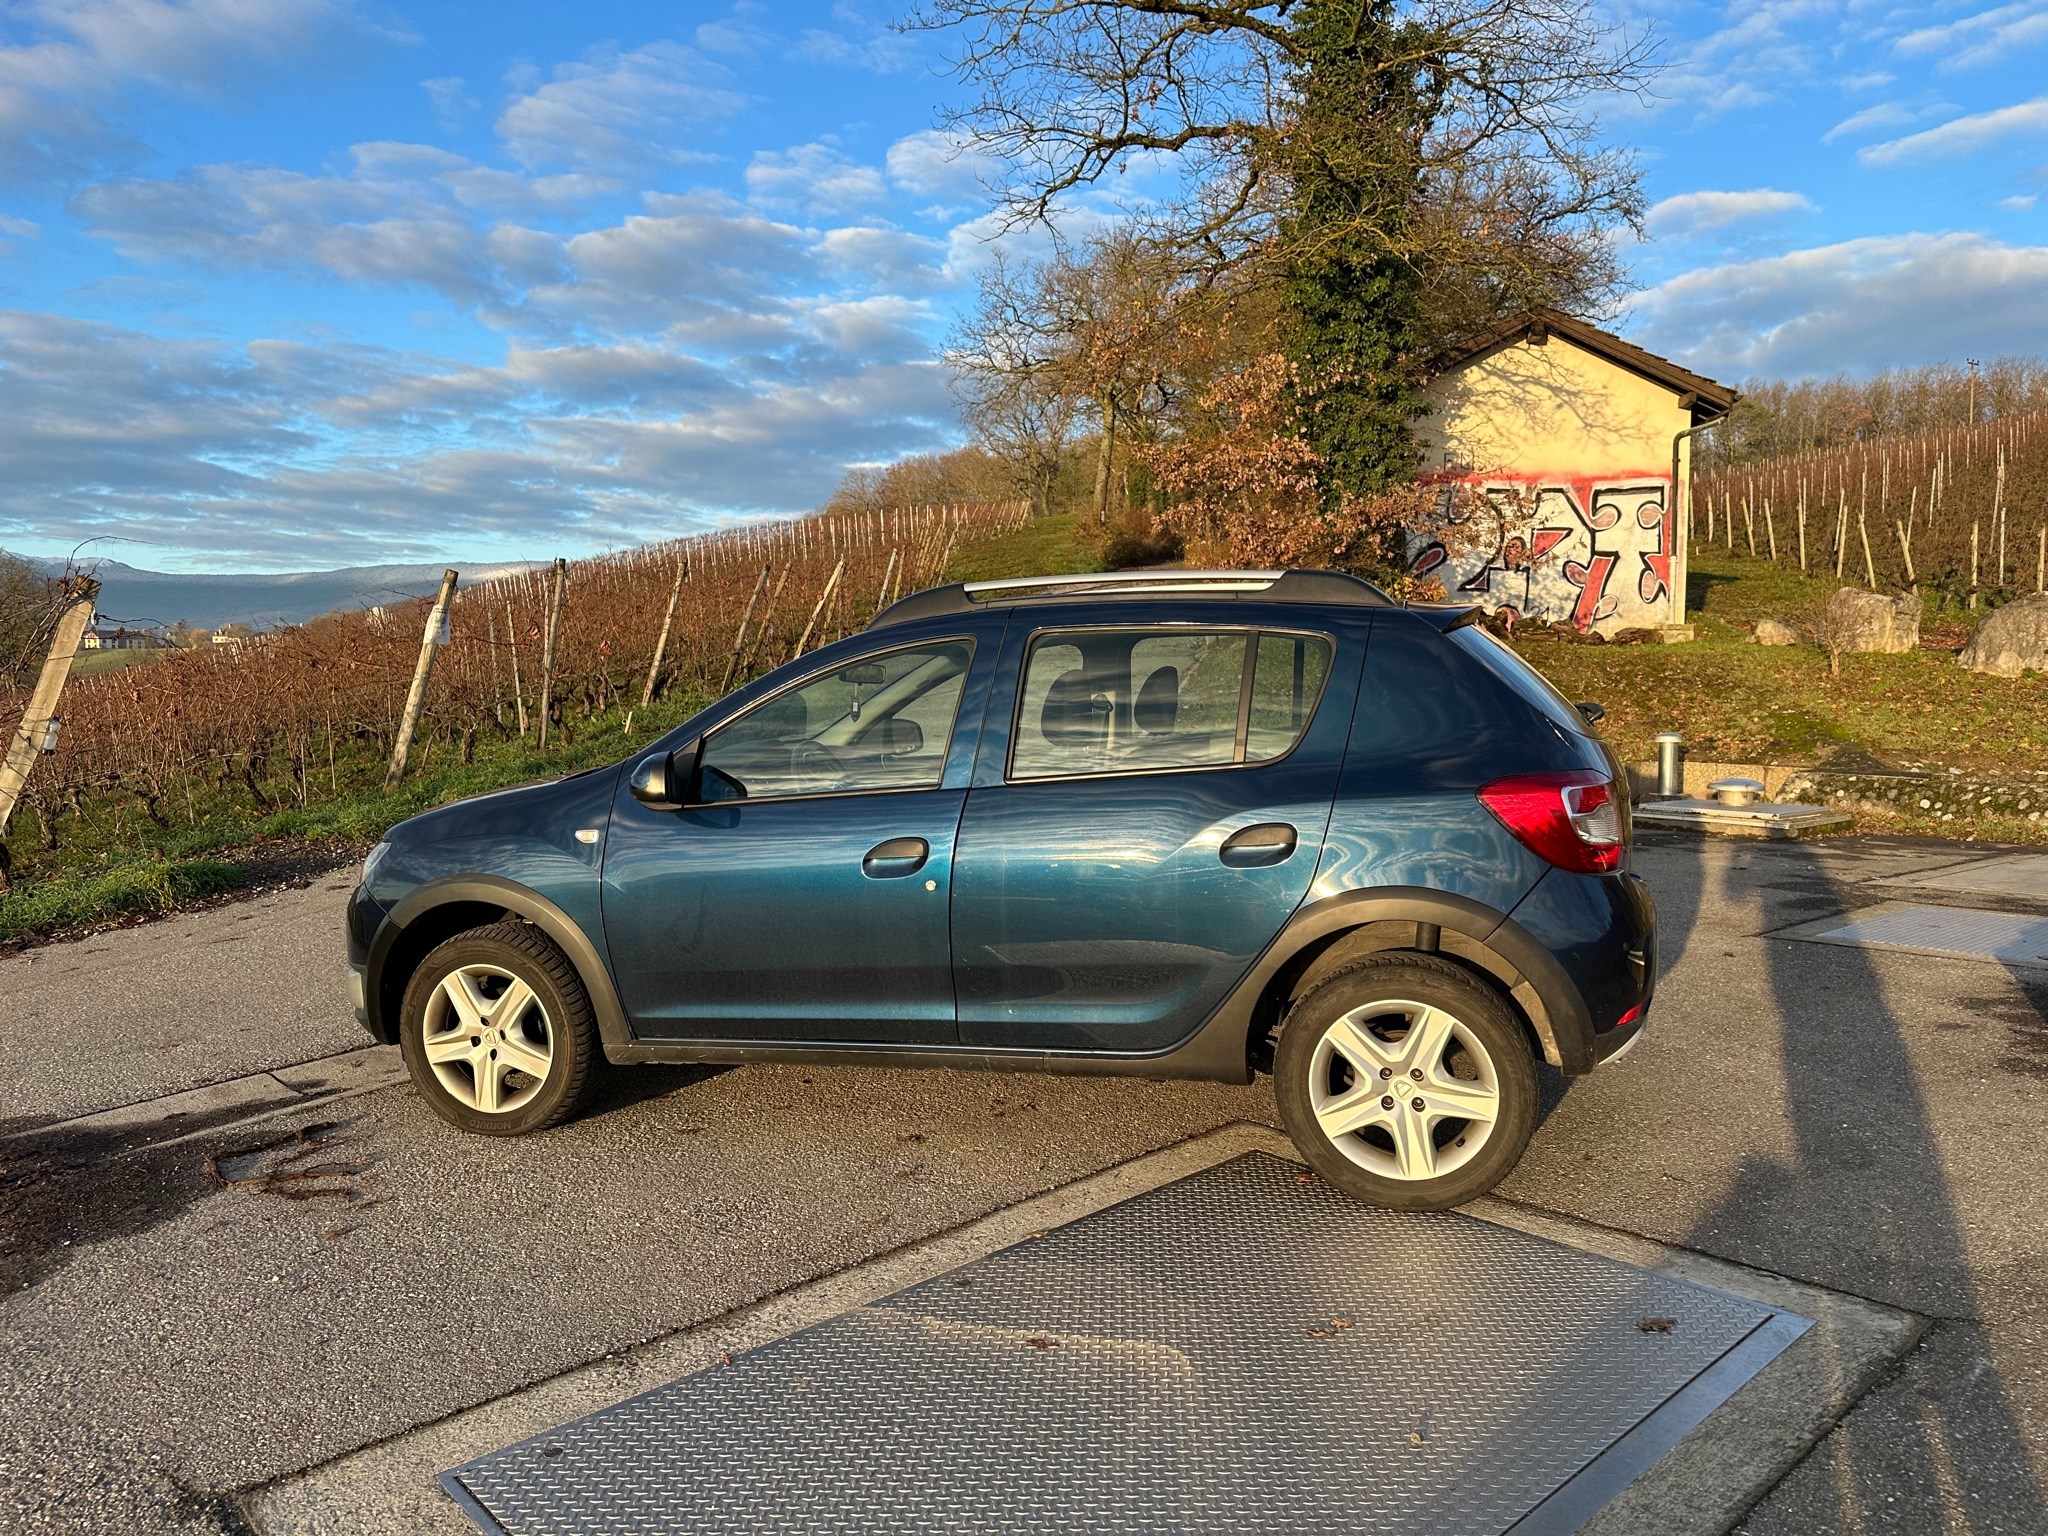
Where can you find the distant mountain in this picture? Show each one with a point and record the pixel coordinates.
(140, 598)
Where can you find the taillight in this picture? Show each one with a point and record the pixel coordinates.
(1570, 819)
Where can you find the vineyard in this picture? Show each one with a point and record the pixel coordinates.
(310, 713)
(1959, 512)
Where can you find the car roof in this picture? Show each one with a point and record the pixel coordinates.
(1321, 588)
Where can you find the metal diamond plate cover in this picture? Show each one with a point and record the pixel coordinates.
(1962, 931)
(2015, 874)
(1236, 1351)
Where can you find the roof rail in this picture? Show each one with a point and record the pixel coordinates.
(1274, 586)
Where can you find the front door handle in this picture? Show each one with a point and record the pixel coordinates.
(1270, 842)
(898, 856)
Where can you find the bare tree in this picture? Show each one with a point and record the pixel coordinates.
(1515, 190)
(1092, 327)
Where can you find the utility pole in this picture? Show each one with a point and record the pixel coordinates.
(1973, 389)
(37, 732)
(437, 616)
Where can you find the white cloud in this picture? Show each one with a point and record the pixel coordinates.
(620, 111)
(1987, 37)
(1692, 214)
(1961, 134)
(1886, 114)
(61, 86)
(2019, 202)
(1857, 306)
(931, 163)
(814, 177)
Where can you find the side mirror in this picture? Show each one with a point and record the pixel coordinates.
(1594, 713)
(661, 781)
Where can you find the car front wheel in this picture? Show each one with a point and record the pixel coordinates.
(498, 1032)
(1407, 1082)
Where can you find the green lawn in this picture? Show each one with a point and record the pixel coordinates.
(1045, 546)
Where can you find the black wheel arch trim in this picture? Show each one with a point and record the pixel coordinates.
(1324, 934)
(517, 901)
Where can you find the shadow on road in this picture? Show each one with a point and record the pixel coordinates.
(1863, 1203)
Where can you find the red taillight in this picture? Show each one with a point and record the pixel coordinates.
(1570, 819)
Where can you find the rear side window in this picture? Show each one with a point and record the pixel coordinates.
(1149, 701)
(1492, 653)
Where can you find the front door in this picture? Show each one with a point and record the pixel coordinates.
(802, 894)
(1154, 816)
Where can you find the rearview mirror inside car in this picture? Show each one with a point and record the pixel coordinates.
(866, 674)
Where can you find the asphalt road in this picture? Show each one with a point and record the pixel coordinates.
(175, 1330)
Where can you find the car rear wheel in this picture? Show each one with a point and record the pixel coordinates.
(498, 1032)
(1407, 1082)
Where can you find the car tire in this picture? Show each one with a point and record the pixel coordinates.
(1347, 1045)
(492, 1060)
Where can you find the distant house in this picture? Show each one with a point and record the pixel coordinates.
(1578, 442)
(100, 638)
(232, 634)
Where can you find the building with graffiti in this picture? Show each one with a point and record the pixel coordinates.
(1562, 451)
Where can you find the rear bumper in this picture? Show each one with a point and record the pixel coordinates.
(1601, 932)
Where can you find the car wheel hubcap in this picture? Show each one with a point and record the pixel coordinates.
(488, 1039)
(1404, 1090)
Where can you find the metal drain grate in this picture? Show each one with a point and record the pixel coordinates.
(1237, 1351)
(2015, 874)
(2002, 936)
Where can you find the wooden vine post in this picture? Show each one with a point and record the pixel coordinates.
(416, 695)
(547, 649)
(824, 597)
(512, 643)
(733, 661)
(37, 732)
(668, 620)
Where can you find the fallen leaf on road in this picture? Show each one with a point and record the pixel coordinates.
(1656, 1324)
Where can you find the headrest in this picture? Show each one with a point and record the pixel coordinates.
(1071, 713)
(1158, 705)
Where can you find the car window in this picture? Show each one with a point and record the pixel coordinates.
(1136, 701)
(882, 722)
(1286, 683)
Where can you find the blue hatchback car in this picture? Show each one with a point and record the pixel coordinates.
(1156, 824)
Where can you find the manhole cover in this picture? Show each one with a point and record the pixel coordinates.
(2003, 936)
(2016, 874)
(1237, 1351)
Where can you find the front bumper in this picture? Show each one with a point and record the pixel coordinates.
(364, 918)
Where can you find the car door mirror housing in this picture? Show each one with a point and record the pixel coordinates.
(661, 780)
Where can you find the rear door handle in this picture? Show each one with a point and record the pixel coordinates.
(898, 856)
(1270, 842)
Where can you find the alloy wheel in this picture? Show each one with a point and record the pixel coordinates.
(488, 1039)
(1404, 1090)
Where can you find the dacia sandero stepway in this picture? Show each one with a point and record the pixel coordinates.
(1153, 824)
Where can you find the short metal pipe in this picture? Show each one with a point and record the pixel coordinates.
(1670, 764)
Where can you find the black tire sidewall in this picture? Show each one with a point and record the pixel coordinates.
(529, 956)
(1439, 984)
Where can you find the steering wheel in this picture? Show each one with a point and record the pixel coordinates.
(816, 769)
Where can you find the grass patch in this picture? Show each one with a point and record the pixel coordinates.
(152, 885)
(1044, 546)
(1741, 702)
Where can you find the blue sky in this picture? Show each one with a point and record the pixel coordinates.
(291, 284)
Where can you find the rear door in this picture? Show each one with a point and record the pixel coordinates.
(1148, 807)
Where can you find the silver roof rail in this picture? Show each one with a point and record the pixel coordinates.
(1107, 582)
